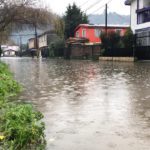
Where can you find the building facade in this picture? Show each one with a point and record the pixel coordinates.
(9, 51)
(44, 41)
(140, 20)
(46, 38)
(93, 32)
(32, 43)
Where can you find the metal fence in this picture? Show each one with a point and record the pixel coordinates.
(142, 46)
(119, 52)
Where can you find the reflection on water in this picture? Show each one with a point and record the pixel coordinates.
(88, 105)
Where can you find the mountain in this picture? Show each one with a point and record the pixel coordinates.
(113, 19)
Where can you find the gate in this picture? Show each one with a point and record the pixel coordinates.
(142, 46)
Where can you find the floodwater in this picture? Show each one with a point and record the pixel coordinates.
(88, 105)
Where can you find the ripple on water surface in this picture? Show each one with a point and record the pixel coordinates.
(88, 105)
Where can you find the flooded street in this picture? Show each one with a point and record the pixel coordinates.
(88, 105)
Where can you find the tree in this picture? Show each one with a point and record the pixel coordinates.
(110, 40)
(56, 48)
(73, 17)
(21, 14)
(128, 39)
(9, 10)
(59, 26)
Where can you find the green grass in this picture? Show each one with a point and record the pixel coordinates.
(20, 124)
(8, 86)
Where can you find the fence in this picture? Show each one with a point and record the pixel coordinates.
(82, 51)
(142, 46)
(119, 52)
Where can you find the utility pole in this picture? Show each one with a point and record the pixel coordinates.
(36, 41)
(106, 16)
(20, 45)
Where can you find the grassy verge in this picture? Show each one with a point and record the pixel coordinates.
(20, 124)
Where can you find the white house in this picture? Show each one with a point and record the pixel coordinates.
(46, 38)
(31, 43)
(140, 19)
(10, 50)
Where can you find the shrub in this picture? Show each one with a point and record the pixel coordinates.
(22, 128)
(110, 40)
(20, 125)
(56, 48)
(128, 39)
(8, 86)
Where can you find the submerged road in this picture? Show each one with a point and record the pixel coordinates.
(88, 105)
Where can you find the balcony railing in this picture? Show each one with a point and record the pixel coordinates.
(143, 15)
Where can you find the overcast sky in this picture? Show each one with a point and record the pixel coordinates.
(59, 6)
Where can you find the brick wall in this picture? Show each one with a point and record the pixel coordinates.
(82, 51)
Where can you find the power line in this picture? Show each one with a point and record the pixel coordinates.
(83, 4)
(91, 6)
(99, 8)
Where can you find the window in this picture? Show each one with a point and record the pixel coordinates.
(143, 16)
(77, 34)
(97, 32)
(83, 33)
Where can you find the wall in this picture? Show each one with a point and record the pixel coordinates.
(42, 41)
(9, 53)
(90, 32)
(31, 43)
(84, 51)
(134, 24)
(122, 59)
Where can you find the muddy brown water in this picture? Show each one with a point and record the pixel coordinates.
(88, 105)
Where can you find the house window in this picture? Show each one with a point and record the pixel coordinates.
(97, 33)
(83, 33)
(143, 16)
(77, 34)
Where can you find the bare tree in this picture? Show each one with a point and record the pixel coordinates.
(59, 26)
(9, 10)
(22, 14)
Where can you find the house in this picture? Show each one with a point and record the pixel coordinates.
(46, 38)
(140, 20)
(32, 43)
(93, 32)
(80, 48)
(9, 51)
(44, 41)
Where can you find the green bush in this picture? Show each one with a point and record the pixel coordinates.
(56, 48)
(110, 40)
(22, 128)
(8, 86)
(128, 39)
(20, 125)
